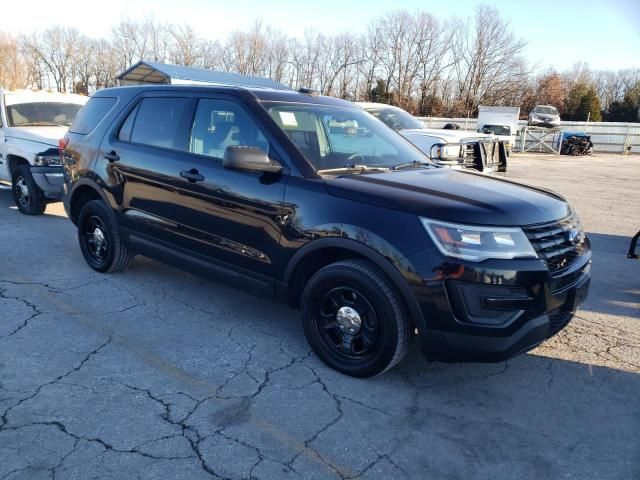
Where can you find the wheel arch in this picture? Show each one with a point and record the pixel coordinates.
(319, 253)
(84, 191)
(13, 161)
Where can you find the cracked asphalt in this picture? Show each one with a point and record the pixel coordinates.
(160, 374)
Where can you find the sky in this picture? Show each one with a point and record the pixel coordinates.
(604, 34)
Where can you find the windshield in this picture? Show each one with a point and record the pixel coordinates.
(396, 118)
(332, 137)
(546, 110)
(36, 114)
(496, 129)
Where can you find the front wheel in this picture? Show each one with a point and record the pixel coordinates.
(29, 199)
(99, 239)
(353, 319)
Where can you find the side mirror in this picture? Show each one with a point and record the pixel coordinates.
(251, 159)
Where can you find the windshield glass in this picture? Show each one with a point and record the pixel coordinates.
(496, 129)
(42, 114)
(546, 110)
(334, 137)
(396, 118)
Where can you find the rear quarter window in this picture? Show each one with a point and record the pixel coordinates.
(91, 114)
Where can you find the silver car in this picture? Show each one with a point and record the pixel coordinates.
(544, 116)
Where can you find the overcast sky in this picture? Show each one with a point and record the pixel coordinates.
(605, 34)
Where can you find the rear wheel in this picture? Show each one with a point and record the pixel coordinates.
(29, 199)
(99, 239)
(353, 319)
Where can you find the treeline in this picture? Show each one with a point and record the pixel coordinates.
(428, 65)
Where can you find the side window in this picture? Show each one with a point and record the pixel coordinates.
(218, 124)
(125, 130)
(158, 121)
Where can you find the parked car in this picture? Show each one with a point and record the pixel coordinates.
(544, 116)
(501, 122)
(31, 123)
(446, 147)
(313, 201)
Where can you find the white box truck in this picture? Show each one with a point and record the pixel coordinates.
(501, 121)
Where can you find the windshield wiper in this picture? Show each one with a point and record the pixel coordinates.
(414, 164)
(353, 169)
(40, 124)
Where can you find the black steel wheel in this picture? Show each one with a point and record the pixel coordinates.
(348, 324)
(29, 199)
(100, 240)
(353, 318)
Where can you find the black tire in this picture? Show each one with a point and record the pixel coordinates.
(29, 199)
(383, 336)
(99, 239)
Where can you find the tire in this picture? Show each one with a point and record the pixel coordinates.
(343, 295)
(29, 199)
(100, 241)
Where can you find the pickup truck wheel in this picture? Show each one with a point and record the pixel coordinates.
(29, 199)
(353, 319)
(99, 239)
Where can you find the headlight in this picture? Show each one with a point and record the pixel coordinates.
(444, 152)
(470, 242)
(44, 161)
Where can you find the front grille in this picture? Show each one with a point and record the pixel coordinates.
(553, 242)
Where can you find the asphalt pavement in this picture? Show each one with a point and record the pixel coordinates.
(155, 373)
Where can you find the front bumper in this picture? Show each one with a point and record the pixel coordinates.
(534, 122)
(494, 310)
(50, 179)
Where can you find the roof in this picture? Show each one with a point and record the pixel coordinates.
(163, 73)
(366, 105)
(261, 94)
(25, 96)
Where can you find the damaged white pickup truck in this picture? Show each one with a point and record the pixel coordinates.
(31, 123)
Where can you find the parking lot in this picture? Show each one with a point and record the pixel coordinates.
(157, 373)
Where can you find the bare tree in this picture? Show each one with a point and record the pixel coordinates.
(187, 46)
(489, 63)
(13, 68)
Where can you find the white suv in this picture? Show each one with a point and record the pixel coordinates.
(31, 123)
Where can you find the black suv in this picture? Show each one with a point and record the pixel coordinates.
(316, 202)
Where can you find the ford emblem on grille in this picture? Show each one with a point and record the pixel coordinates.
(574, 237)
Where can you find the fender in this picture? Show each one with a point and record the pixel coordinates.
(388, 266)
(86, 182)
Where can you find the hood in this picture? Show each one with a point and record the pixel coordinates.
(446, 136)
(455, 196)
(46, 135)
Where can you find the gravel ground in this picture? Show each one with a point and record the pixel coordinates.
(159, 374)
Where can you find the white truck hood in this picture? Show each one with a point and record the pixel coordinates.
(44, 135)
(446, 136)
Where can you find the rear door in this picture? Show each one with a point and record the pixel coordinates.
(152, 176)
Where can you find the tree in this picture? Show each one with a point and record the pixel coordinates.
(13, 70)
(582, 103)
(489, 60)
(380, 93)
(551, 90)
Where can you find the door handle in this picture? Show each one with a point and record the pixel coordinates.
(112, 156)
(192, 175)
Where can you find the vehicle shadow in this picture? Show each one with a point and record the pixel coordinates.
(615, 279)
(8, 206)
